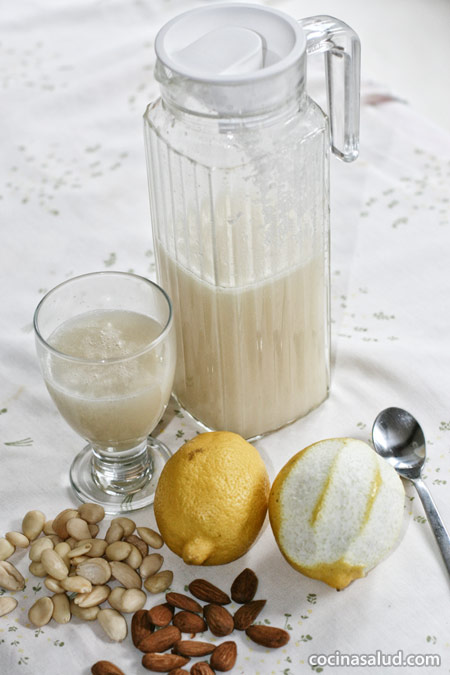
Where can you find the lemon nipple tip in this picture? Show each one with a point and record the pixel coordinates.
(197, 551)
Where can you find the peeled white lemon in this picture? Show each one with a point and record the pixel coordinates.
(336, 509)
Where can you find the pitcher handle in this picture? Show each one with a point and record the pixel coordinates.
(342, 68)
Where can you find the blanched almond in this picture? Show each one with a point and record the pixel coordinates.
(78, 528)
(134, 558)
(48, 528)
(63, 549)
(6, 549)
(7, 604)
(55, 539)
(159, 582)
(37, 569)
(38, 546)
(91, 513)
(93, 529)
(17, 539)
(128, 526)
(84, 613)
(98, 547)
(53, 585)
(97, 570)
(150, 537)
(10, 577)
(118, 550)
(32, 524)
(127, 599)
(114, 533)
(113, 624)
(79, 559)
(54, 565)
(98, 595)
(115, 596)
(61, 608)
(125, 575)
(150, 565)
(80, 550)
(76, 584)
(41, 612)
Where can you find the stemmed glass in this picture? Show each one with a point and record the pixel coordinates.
(106, 347)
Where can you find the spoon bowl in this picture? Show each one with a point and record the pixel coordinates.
(398, 437)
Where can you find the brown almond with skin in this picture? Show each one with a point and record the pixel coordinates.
(141, 626)
(59, 523)
(188, 622)
(182, 601)
(105, 668)
(161, 615)
(139, 543)
(160, 640)
(193, 648)
(243, 588)
(224, 656)
(268, 636)
(204, 590)
(219, 620)
(163, 663)
(201, 668)
(246, 615)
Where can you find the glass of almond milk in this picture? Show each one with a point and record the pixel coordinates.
(238, 171)
(107, 351)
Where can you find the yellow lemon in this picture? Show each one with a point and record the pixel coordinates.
(336, 509)
(211, 498)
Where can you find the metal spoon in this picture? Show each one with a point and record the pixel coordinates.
(399, 438)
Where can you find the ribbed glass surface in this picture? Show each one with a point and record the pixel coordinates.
(241, 240)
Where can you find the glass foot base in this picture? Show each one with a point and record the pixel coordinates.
(88, 490)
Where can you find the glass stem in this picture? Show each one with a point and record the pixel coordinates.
(123, 472)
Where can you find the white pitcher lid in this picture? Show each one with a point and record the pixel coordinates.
(232, 42)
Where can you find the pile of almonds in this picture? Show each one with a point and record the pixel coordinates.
(159, 629)
(72, 560)
(76, 567)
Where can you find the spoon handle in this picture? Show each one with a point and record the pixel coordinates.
(441, 534)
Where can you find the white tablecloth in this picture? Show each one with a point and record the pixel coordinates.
(75, 80)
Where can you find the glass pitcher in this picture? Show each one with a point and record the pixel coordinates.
(238, 166)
